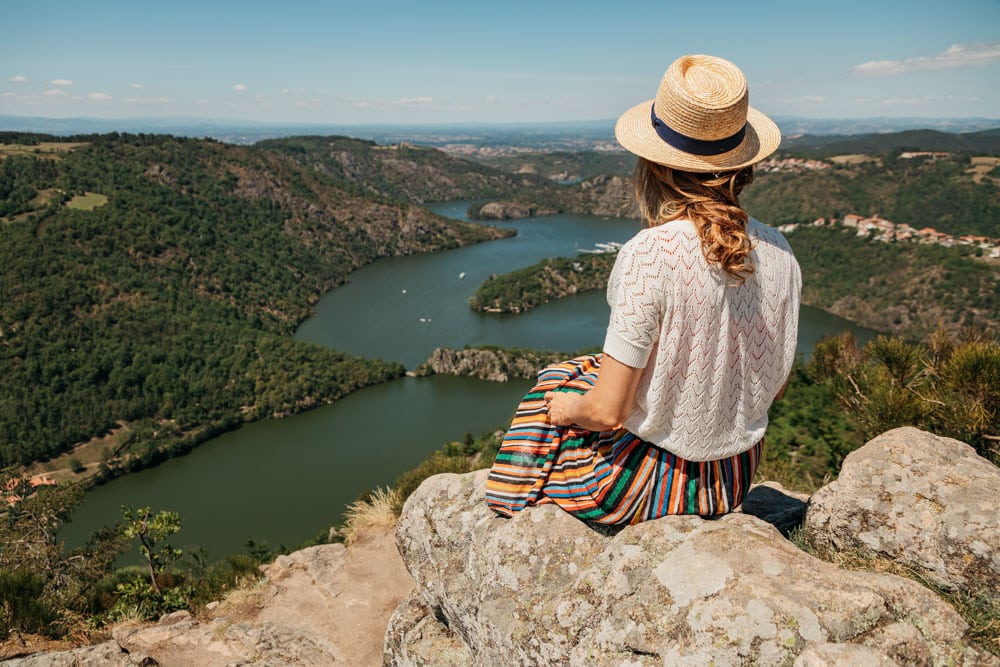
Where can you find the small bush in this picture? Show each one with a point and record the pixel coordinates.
(21, 607)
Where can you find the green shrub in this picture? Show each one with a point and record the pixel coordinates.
(21, 605)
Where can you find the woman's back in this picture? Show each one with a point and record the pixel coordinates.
(721, 350)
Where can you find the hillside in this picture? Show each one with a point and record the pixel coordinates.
(956, 193)
(943, 192)
(984, 142)
(902, 288)
(400, 172)
(162, 304)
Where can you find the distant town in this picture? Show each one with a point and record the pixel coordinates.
(880, 229)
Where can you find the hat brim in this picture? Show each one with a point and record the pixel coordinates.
(636, 134)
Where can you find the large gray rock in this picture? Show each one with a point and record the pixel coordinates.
(545, 589)
(922, 500)
(106, 654)
(221, 642)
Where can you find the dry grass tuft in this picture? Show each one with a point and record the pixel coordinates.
(379, 509)
(127, 619)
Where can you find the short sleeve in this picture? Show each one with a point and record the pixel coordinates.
(636, 294)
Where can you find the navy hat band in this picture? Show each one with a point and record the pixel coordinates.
(682, 142)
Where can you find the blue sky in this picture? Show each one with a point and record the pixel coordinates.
(439, 62)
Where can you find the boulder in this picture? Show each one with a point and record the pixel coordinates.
(511, 210)
(543, 588)
(919, 499)
(106, 654)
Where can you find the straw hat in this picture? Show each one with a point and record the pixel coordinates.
(700, 120)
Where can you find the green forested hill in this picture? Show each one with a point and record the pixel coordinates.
(169, 308)
(903, 288)
(401, 172)
(985, 142)
(922, 192)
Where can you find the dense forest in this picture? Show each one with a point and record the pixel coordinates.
(550, 279)
(164, 305)
(169, 309)
(400, 172)
(904, 288)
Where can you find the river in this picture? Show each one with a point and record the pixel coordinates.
(283, 481)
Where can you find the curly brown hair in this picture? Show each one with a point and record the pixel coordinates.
(710, 201)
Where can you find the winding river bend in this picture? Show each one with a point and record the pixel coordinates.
(282, 481)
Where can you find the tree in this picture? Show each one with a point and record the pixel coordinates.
(151, 530)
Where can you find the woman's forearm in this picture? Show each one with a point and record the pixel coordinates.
(602, 408)
(583, 410)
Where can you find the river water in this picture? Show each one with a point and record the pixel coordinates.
(283, 481)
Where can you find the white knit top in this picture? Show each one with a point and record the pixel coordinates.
(714, 353)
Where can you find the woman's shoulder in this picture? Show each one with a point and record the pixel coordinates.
(675, 232)
(767, 234)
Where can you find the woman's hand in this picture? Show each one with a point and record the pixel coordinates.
(562, 406)
(605, 406)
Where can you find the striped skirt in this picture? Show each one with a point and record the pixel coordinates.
(609, 477)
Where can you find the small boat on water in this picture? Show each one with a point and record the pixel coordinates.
(461, 275)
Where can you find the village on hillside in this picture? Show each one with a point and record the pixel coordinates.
(880, 229)
(16, 488)
(876, 227)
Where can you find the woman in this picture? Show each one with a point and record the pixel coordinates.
(670, 418)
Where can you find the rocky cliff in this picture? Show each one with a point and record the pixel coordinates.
(509, 210)
(321, 606)
(546, 589)
(493, 364)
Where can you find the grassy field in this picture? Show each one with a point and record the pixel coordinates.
(981, 166)
(50, 149)
(90, 454)
(857, 158)
(87, 201)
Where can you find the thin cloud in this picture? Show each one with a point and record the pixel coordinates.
(414, 101)
(137, 86)
(99, 96)
(956, 55)
(921, 101)
(55, 92)
(19, 79)
(149, 100)
(240, 87)
(60, 82)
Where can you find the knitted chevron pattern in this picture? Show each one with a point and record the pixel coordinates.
(715, 353)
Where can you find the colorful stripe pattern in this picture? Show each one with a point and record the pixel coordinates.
(610, 477)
